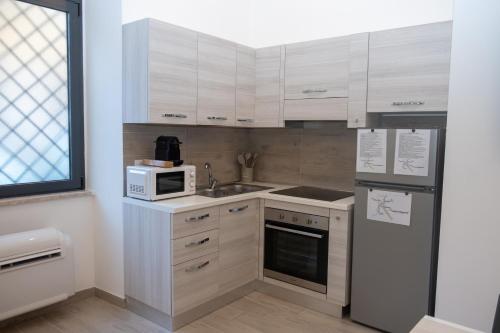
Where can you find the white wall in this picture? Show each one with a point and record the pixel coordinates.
(260, 23)
(73, 216)
(469, 260)
(103, 62)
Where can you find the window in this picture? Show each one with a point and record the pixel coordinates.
(41, 97)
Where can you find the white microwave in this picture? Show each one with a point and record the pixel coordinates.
(154, 183)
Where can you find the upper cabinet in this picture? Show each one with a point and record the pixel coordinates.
(317, 79)
(409, 69)
(269, 87)
(317, 69)
(216, 81)
(160, 73)
(245, 86)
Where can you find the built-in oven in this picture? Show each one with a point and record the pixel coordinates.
(296, 248)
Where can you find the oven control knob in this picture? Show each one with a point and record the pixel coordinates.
(282, 216)
(191, 184)
(309, 221)
(192, 174)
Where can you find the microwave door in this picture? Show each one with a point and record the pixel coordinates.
(170, 182)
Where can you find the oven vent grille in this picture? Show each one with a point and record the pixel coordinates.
(28, 260)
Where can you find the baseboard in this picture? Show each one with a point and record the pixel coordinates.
(79, 295)
(113, 299)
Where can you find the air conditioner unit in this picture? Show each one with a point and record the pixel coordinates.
(36, 270)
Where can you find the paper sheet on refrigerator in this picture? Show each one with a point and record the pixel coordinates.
(412, 152)
(388, 206)
(372, 149)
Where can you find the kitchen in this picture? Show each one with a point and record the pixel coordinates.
(285, 174)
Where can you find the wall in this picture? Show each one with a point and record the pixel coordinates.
(73, 216)
(103, 108)
(260, 23)
(321, 154)
(318, 155)
(469, 268)
(218, 146)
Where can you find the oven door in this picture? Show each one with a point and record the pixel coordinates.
(169, 184)
(296, 254)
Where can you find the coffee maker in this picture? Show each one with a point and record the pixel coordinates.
(168, 149)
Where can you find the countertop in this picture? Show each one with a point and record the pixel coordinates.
(192, 202)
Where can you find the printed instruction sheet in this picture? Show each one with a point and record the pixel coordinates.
(389, 206)
(412, 152)
(372, 150)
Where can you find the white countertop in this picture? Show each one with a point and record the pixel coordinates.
(192, 202)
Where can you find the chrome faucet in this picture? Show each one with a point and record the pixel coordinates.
(211, 180)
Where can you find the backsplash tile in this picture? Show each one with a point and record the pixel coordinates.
(319, 154)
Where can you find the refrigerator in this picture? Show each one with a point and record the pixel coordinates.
(396, 228)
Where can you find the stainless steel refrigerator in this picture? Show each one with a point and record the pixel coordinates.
(394, 265)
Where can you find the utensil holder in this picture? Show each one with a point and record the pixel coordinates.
(246, 174)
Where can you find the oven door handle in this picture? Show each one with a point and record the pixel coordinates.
(299, 232)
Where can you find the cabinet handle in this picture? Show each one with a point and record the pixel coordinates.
(197, 267)
(245, 120)
(239, 209)
(197, 218)
(216, 118)
(310, 91)
(408, 103)
(198, 243)
(173, 115)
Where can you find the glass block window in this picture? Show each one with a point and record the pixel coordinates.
(35, 94)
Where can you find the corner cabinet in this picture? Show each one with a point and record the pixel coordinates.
(159, 73)
(409, 69)
(216, 81)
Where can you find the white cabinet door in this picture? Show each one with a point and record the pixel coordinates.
(245, 86)
(160, 73)
(238, 244)
(317, 69)
(409, 69)
(269, 98)
(216, 81)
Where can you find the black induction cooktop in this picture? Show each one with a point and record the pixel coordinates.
(314, 193)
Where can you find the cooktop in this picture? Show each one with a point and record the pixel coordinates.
(314, 193)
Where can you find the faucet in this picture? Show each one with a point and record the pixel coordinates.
(211, 180)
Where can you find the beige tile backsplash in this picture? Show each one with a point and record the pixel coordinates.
(320, 154)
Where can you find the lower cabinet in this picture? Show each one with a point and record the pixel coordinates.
(238, 244)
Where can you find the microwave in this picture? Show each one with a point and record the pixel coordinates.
(155, 183)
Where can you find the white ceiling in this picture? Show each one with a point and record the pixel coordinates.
(261, 23)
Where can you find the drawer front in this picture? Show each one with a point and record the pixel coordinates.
(240, 208)
(194, 282)
(195, 246)
(196, 221)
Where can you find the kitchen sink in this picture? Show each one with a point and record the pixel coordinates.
(230, 189)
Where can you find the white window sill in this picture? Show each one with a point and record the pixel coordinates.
(44, 197)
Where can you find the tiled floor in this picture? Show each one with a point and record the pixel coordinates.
(255, 313)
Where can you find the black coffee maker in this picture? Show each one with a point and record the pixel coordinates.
(168, 149)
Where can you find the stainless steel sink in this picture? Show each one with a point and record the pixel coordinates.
(230, 189)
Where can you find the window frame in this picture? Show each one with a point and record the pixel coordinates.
(76, 133)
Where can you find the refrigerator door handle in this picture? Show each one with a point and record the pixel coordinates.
(392, 186)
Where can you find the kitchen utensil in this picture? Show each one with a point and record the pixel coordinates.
(248, 156)
(241, 159)
(254, 159)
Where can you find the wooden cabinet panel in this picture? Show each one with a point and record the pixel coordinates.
(317, 69)
(409, 69)
(245, 86)
(193, 222)
(194, 246)
(172, 74)
(160, 73)
(238, 244)
(268, 76)
(316, 109)
(194, 282)
(216, 81)
(339, 257)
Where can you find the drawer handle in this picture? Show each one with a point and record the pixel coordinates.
(311, 91)
(245, 120)
(216, 118)
(173, 115)
(239, 209)
(197, 218)
(198, 243)
(408, 103)
(197, 267)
